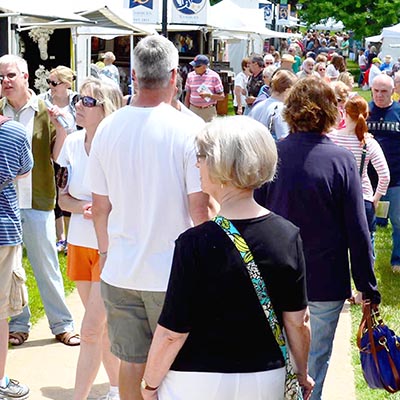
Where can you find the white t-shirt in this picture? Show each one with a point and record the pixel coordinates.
(73, 154)
(144, 160)
(332, 72)
(241, 80)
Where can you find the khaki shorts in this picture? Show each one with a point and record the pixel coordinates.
(132, 317)
(13, 293)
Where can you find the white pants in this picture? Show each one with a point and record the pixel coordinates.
(266, 385)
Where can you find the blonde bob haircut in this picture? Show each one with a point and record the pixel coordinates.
(64, 74)
(239, 151)
(108, 93)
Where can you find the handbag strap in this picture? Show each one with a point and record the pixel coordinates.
(371, 318)
(256, 279)
(363, 155)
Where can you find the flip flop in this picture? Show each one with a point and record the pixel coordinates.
(17, 338)
(69, 338)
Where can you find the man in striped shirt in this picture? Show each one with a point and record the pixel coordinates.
(203, 89)
(15, 161)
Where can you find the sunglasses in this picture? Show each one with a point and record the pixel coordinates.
(87, 101)
(321, 69)
(199, 156)
(10, 76)
(53, 83)
(268, 63)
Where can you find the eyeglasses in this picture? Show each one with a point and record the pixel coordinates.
(53, 83)
(199, 156)
(10, 76)
(87, 101)
(268, 62)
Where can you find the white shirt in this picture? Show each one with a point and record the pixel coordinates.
(241, 80)
(144, 160)
(73, 155)
(26, 116)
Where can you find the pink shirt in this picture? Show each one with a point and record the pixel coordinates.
(210, 79)
(374, 154)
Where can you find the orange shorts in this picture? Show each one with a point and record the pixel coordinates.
(83, 264)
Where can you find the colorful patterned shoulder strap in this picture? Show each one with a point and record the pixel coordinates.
(292, 388)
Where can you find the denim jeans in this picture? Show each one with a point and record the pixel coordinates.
(324, 319)
(371, 219)
(39, 237)
(393, 195)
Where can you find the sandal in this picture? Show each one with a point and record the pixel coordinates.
(17, 338)
(69, 338)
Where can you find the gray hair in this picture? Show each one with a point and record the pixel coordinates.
(154, 58)
(11, 59)
(239, 150)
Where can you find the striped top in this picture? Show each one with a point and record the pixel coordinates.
(374, 155)
(15, 159)
(211, 82)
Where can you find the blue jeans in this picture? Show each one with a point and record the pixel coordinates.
(324, 319)
(393, 195)
(39, 235)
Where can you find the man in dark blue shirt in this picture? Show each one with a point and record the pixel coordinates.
(384, 123)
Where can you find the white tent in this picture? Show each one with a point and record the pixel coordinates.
(330, 24)
(391, 41)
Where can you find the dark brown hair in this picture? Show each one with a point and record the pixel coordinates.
(311, 106)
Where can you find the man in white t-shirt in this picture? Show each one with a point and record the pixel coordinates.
(146, 191)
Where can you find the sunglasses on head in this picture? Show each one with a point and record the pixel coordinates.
(87, 101)
(53, 83)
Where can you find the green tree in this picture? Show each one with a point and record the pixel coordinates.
(364, 17)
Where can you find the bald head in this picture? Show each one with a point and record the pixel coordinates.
(382, 90)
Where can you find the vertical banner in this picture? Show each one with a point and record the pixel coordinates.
(283, 18)
(189, 12)
(268, 13)
(143, 11)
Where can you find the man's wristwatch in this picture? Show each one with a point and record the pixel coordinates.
(145, 386)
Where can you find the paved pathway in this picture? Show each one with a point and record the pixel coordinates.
(48, 367)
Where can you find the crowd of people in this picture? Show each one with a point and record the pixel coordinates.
(195, 242)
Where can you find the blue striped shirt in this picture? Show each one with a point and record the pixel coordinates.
(15, 159)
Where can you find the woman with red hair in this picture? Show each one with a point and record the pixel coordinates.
(366, 149)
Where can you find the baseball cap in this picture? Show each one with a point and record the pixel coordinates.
(200, 59)
(376, 60)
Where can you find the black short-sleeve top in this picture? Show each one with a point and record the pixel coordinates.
(210, 295)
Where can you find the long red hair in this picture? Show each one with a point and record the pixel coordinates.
(356, 108)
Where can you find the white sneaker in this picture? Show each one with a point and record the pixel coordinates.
(109, 396)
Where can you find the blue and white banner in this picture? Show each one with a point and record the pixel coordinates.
(268, 12)
(189, 12)
(283, 17)
(143, 11)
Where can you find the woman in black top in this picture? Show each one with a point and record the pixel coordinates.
(213, 340)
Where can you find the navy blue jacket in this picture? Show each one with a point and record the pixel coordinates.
(318, 189)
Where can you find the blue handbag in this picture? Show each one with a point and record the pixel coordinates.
(379, 351)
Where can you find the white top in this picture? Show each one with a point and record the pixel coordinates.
(373, 73)
(26, 116)
(241, 80)
(332, 72)
(374, 154)
(144, 160)
(269, 112)
(73, 154)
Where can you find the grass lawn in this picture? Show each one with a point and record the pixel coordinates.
(389, 286)
(35, 302)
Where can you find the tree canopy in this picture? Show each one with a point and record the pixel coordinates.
(363, 17)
